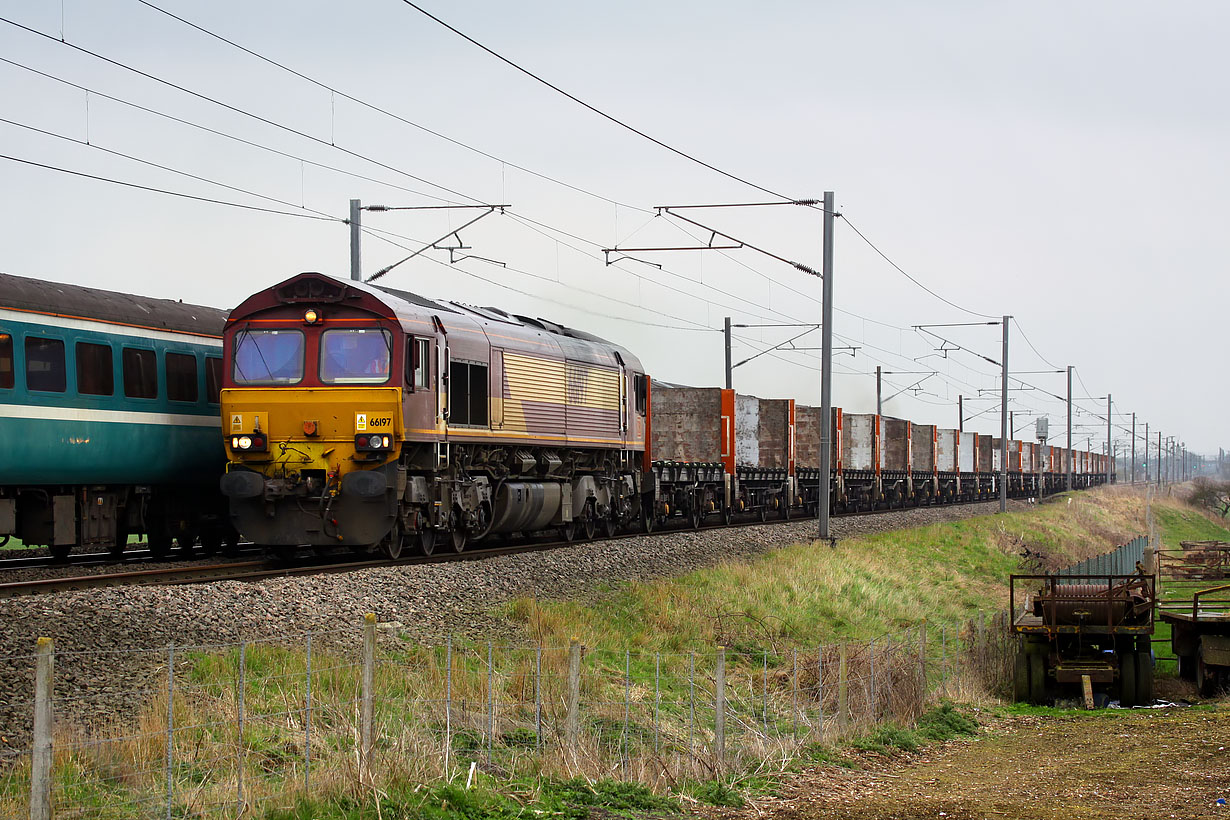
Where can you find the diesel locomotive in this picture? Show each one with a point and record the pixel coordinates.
(361, 416)
(108, 419)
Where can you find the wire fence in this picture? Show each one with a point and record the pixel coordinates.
(235, 730)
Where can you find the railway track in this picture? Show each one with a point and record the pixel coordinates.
(97, 559)
(254, 570)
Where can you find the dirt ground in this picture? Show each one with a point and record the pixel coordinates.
(1158, 763)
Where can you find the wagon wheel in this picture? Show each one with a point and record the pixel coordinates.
(1127, 679)
(648, 517)
(764, 512)
(230, 543)
(159, 542)
(121, 536)
(695, 515)
(589, 522)
(728, 515)
(1020, 676)
(1206, 678)
(785, 508)
(1037, 678)
(1144, 678)
(211, 541)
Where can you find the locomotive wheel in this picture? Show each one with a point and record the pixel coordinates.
(393, 544)
(607, 526)
(1037, 678)
(695, 516)
(728, 515)
(230, 543)
(764, 512)
(458, 540)
(1144, 678)
(1127, 679)
(589, 522)
(121, 538)
(426, 542)
(648, 518)
(1020, 677)
(61, 551)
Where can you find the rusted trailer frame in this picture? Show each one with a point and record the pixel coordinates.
(1072, 627)
(1200, 638)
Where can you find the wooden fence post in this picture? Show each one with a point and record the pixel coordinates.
(40, 758)
(719, 707)
(366, 704)
(843, 690)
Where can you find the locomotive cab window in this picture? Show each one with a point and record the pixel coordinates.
(640, 384)
(355, 356)
(95, 373)
(181, 377)
(6, 360)
(140, 373)
(418, 364)
(213, 379)
(268, 357)
(45, 368)
(467, 394)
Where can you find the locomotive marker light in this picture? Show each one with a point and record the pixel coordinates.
(311, 317)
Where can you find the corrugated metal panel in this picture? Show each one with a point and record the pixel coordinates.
(747, 431)
(946, 450)
(687, 424)
(858, 441)
(534, 394)
(965, 454)
(593, 401)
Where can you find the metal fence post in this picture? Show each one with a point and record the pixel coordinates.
(843, 688)
(538, 697)
(657, 701)
(239, 752)
(366, 704)
(573, 703)
(719, 707)
(40, 757)
(490, 702)
(872, 678)
(764, 703)
(307, 716)
(448, 703)
(794, 692)
(170, 727)
(820, 687)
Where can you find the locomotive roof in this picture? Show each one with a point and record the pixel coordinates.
(37, 296)
(402, 302)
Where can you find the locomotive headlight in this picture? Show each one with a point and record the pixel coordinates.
(245, 443)
(310, 316)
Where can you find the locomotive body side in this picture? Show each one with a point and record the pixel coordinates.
(446, 421)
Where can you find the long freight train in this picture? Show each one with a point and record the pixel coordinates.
(108, 419)
(362, 416)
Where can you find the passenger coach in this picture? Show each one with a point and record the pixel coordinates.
(356, 415)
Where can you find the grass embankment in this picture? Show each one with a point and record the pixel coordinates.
(766, 611)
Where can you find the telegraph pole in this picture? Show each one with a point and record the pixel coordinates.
(1003, 426)
(879, 408)
(1146, 452)
(1069, 453)
(1110, 453)
(961, 414)
(729, 375)
(1159, 458)
(1133, 480)
(826, 366)
(356, 235)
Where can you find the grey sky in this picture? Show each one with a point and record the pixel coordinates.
(1060, 162)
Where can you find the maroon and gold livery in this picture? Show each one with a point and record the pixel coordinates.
(360, 415)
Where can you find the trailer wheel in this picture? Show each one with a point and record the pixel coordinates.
(1020, 676)
(1144, 678)
(1187, 667)
(1206, 678)
(1127, 679)
(1037, 678)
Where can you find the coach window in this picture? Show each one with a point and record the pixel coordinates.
(140, 373)
(213, 379)
(6, 360)
(467, 394)
(355, 356)
(95, 373)
(418, 364)
(268, 357)
(45, 365)
(181, 377)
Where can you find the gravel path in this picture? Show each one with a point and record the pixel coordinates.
(111, 643)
